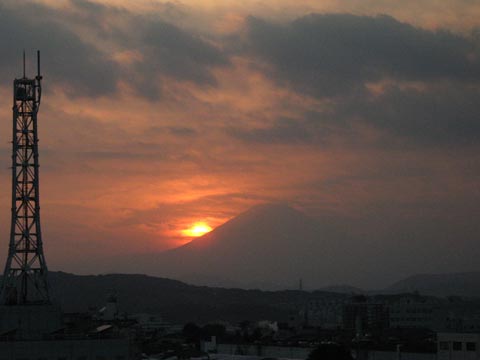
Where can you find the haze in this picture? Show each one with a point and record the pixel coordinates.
(161, 115)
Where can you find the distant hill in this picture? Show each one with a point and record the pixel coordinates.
(457, 284)
(179, 302)
(343, 289)
(175, 301)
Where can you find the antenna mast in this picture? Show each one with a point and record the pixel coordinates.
(25, 275)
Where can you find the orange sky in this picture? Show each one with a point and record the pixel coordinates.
(123, 172)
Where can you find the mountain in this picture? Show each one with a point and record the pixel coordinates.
(274, 246)
(175, 301)
(457, 284)
(270, 246)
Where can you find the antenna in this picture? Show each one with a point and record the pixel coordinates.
(38, 64)
(23, 63)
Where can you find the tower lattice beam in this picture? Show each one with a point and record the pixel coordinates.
(25, 275)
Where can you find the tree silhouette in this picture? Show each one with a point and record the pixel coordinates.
(330, 352)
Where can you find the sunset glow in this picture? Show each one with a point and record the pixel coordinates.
(163, 120)
(197, 229)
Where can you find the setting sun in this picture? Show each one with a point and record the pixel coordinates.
(197, 229)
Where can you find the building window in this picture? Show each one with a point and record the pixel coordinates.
(444, 345)
(457, 346)
(471, 346)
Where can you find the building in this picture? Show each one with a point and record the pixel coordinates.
(414, 311)
(461, 319)
(150, 323)
(364, 315)
(324, 312)
(458, 346)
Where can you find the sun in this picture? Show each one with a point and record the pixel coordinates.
(197, 229)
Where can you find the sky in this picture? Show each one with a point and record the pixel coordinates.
(157, 115)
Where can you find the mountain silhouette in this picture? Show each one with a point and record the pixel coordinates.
(175, 301)
(465, 284)
(270, 246)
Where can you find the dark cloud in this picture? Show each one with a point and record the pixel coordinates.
(445, 115)
(440, 116)
(182, 54)
(181, 131)
(178, 131)
(283, 131)
(89, 70)
(89, 7)
(336, 54)
(66, 59)
(175, 53)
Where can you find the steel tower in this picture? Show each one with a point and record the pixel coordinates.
(25, 275)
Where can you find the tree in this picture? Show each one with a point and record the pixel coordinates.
(192, 332)
(330, 352)
(217, 330)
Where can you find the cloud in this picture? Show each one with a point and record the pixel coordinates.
(337, 54)
(283, 131)
(440, 116)
(83, 46)
(182, 131)
(405, 82)
(173, 53)
(181, 54)
(68, 60)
